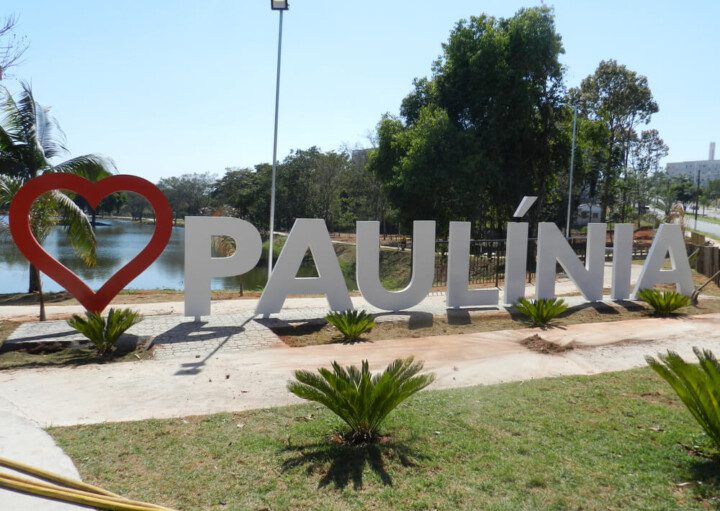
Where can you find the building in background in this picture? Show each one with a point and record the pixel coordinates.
(709, 169)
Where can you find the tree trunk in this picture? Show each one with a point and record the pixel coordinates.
(94, 219)
(36, 287)
(604, 203)
(42, 304)
(34, 284)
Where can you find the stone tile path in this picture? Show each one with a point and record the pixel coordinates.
(240, 330)
(172, 335)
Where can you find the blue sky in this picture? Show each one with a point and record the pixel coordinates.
(167, 87)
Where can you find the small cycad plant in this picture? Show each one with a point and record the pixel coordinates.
(358, 397)
(102, 332)
(664, 303)
(541, 311)
(697, 386)
(351, 324)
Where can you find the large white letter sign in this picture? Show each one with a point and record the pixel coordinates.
(368, 267)
(458, 294)
(516, 249)
(306, 234)
(201, 267)
(669, 239)
(622, 261)
(552, 246)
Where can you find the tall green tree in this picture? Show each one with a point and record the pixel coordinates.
(646, 152)
(30, 143)
(483, 130)
(620, 100)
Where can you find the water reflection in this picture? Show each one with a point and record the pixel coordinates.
(118, 243)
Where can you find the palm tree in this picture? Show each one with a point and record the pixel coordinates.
(29, 139)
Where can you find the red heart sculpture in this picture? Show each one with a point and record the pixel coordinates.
(93, 192)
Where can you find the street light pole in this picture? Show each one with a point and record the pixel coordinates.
(697, 197)
(570, 184)
(280, 6)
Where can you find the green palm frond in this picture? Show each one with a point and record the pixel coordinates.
(9, 186)
(50, 136)
(43, 216)
(6, 139)
(541, 311)
(697, 386)
(11, 117)
(362, 400)
(102, 332)
(26, 112)
(664, 303)
(78, 226)
(90, 166)
(351, 324)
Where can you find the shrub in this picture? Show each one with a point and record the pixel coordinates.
(359, 398)
(351, 324)
(697, 386)
(103, 333)
(664, 303)
(541, 311)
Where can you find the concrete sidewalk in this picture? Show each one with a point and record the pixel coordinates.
(24, 441)
(234, 381)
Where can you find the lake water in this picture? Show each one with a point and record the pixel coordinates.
(117, 244)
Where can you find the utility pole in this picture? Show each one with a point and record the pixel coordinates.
(697, 197)
(572, 165)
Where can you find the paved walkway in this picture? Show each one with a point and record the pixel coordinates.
(435, 303)
(234, 381)
(180, 337)
(233, 325)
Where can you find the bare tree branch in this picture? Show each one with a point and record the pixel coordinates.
(12, 46)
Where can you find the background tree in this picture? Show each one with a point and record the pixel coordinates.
(620, 99)
(669, 191)
(484, 130)
(137, 205)
(712, 191)
(646, 151)
(188, 194)
(333, 185)
(244, 190)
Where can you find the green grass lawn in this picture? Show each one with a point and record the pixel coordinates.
(614, 441)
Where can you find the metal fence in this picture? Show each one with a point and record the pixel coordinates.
(487, 259)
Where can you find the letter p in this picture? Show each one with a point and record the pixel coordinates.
(201, 267)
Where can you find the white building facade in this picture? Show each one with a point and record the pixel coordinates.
(709, 169)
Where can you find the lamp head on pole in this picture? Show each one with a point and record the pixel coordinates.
(279, 5)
